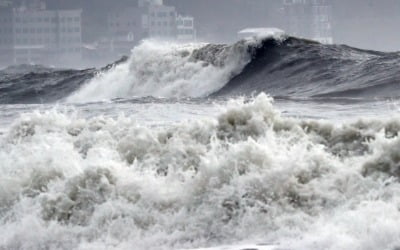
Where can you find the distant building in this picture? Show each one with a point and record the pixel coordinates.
(186, 31)
(32, 5)
(125, 29)
(146, 3)
(162, 22)
(6, 35)
(43, 35)
(32, 34)
(309, 19)
(5, 3)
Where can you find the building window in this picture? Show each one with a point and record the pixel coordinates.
(188, 23)
(77, 19)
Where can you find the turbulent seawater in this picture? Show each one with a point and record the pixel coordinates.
(274, 143)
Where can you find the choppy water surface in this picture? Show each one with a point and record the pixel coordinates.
(89, 161)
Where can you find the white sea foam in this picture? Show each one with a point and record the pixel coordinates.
(247, 176)
(163, 70)
(166, 69)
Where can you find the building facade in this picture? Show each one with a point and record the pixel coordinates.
(150, 19)
(125, 29)
(6, 36)
(185, 29)
(32, 34)
(161, 21)
(43, 35)
(309, 19)
(146, 3)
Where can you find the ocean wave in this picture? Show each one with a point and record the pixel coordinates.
(247, 175)
(279, 65)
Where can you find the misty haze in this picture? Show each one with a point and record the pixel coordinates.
(90, 33)
(199, 124)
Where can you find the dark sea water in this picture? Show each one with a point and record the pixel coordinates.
(269, 143)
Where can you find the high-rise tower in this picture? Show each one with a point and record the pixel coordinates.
(309, 19)
(144, 3)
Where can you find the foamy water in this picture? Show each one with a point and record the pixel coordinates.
(164, 69)
(144, 155)
(234, 175)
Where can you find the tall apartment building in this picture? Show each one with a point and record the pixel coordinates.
(309, 19)
(185, 29)
(32, 34)
(145, 3)
(162, 22)
(42, 35)
(151, 19)
(6, 35)
(125, 28)
(5, 3)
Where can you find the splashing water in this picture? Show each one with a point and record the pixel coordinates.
(248, 175)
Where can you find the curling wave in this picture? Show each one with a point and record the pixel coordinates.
(302, 68)
(169, 70)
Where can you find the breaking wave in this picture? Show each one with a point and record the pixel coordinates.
(302, 68)
(169, 70)
(279, 65)
(247, 175)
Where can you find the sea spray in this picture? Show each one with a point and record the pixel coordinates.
(249, 175)
(165, 69)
